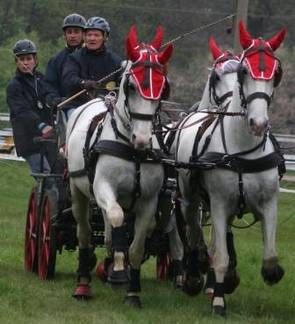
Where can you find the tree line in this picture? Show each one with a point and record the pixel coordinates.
(41, 21)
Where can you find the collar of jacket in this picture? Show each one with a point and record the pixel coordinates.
(99, 51)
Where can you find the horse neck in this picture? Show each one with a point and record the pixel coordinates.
(205, 101)
(237, 134)
(121, 119)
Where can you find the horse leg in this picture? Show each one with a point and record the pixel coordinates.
(142, 225)
(210, 276)
(176, 251)
(232, 278)
(196, 255)
(271, 271)
(220, 257)
(106, 199)
(87, 259)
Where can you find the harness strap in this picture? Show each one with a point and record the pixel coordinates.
(141, 116)
(259, 95)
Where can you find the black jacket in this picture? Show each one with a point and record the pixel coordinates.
(27, 97)
(53, 75)
(89, 65)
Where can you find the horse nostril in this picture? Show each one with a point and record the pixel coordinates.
(133, 137)
(251, 122)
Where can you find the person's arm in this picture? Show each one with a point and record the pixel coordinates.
(52, 80)
(71, 78)
(20, 107)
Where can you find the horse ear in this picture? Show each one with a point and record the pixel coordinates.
(214, 48)
(131, 44)
(165, 55)
(277, 39)
(157, 41)
(245, 37)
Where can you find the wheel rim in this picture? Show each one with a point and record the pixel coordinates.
(31, 237)
(45, 247)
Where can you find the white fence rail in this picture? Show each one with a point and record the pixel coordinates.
(282, 138)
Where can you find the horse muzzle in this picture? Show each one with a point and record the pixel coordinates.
(258, 127)
(141, 142)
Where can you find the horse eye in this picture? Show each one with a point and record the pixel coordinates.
(245, 71)
(131, 87)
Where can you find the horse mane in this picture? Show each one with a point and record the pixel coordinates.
(205, 101)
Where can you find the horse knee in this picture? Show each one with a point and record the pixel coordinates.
(271, 271)
(116, 216)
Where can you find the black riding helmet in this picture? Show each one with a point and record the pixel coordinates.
(24, 46)
(74, 20)
(98, 23)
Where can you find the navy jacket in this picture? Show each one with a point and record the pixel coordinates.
(53, 75)
(89, 65)
(27, 98)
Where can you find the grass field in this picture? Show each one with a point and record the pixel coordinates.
(26, 299)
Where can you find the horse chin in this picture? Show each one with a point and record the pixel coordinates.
(142, 146)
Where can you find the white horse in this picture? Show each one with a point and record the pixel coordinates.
(216, 95)
(246, 173)
(124, 177)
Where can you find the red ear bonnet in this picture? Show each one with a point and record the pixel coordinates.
(132, 44)
(277, 39)
(165, 55)
(214, 48)
(157, 41)
(245, 37)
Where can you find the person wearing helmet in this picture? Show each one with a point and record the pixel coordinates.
(94, 61)
(73, 29)
(27, 98)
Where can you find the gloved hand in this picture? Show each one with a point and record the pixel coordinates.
(47, 132)
(55, 102)
(89, 84)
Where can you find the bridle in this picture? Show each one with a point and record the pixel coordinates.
(130, 115)
(218, 101)
(147, 65)
(262, 49)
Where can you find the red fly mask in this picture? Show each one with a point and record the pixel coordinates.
(258, 60)
(258, 56)
(148, 65)
(224, 62)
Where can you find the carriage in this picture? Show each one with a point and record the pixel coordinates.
(43, 235)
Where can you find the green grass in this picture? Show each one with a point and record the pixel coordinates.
(26, 299)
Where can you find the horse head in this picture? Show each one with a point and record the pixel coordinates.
(223, 74)
(259, 72)
(144, 84)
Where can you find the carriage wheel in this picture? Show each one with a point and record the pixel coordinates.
(163, 267)
(47, 237)
(31, 234)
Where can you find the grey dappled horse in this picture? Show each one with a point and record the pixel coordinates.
(247, 176)
(125, 181)
(216, 95)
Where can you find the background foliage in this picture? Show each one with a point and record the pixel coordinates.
(41, 21)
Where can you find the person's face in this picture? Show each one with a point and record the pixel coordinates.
(73, 36)
(26, 63)
(94, 39)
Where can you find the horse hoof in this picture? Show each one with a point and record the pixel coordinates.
(219, 310)
(231, 281)
(133, 301)
(83, 292)
(272, 274)
(193, 285)
(118, 278)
